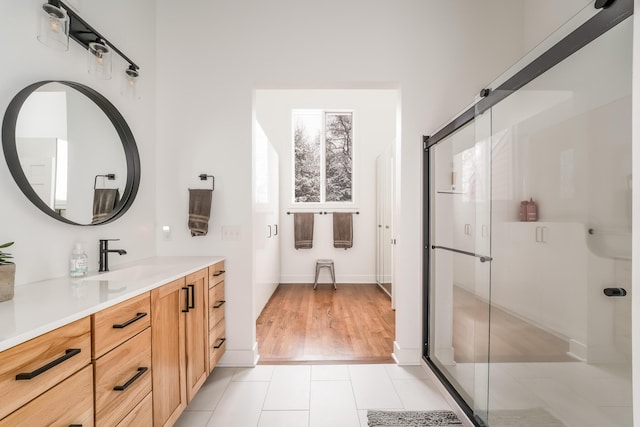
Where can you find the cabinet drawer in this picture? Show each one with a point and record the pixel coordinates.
(47, 359)
(68, 403)
(141, 415)
(216, 304)
(123, 379)
(217, 344)
(216, 273)
(117, 324)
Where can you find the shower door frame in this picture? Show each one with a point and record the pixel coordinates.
(593, 28)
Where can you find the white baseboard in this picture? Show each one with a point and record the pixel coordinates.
(324, 278)
(405, 356)
(450, 400)
(240, 358)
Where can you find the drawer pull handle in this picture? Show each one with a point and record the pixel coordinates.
(186, 300)
(138, 374)
(222, 340)
(192, 304)
(130, 321)
(219, 273)
(75, 425)
(220, 304)
(69, 353)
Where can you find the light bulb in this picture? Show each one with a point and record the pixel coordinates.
(54, 23)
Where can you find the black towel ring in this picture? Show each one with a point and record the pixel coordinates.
(204, 177)
(109, 176)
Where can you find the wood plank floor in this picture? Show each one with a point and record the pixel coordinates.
(354, 324)
(511, 340)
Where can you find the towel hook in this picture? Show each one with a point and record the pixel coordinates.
(109, 176)
(204, 177)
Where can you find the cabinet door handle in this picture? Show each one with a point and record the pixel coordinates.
(68, 354)
(192, 304)
(130, 321)
(276, 226)
(219, 273)
(75, 425)
(220, 304)
(222, 340)
(186, 300)
(269, 231)
(138, 374)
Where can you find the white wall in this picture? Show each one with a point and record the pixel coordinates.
(374, 127)
(43, 245)
(207, 76)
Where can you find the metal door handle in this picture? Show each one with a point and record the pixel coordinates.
(138, 374)
(68, 354)
(130, 321)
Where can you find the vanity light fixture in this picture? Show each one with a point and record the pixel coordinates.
(57, 17)
(53, 29)
(99, 60)
(130, 82)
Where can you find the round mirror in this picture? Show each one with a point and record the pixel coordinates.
(71, 152)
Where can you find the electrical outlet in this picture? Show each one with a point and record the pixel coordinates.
(230, 232)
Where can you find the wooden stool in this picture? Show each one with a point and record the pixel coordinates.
(327, 263)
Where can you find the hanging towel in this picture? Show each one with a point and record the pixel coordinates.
(199, 211)
(342, 230)
(104, 201)
(303, 230)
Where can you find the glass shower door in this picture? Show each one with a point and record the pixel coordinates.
(560, 348)
(461, 260)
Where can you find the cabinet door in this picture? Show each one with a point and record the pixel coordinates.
(168, 351)
(68, 403)
(197, 331)
(122, 379)
(31, 368)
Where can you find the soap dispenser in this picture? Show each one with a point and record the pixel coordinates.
(79, 262)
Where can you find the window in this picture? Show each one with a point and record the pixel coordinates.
(323, 156)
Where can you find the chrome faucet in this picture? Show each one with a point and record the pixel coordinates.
(104, 253)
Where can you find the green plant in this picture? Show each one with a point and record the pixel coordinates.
(4, 256)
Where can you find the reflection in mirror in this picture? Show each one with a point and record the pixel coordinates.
(71, 152)
(64, 141)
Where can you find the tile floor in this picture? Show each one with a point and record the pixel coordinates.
(308, 395)
(577, 394)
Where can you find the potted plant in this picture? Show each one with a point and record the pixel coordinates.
(7, 274)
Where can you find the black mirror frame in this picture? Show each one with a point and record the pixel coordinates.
(120, 124)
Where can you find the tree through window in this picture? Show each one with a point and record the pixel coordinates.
(323, 160)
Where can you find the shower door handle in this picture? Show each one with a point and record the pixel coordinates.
(483, 258)
(615, 292)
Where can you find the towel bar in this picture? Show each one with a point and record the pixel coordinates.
(109, 176)
(204, 177)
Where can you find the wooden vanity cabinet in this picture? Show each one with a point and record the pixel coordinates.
(217, 335)
(168, 351)
(197, 329)
(179, 326)
(32, 368)
(122, 360)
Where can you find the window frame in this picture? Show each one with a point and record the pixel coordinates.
(323, 203)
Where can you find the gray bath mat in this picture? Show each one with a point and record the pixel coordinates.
(412, 419)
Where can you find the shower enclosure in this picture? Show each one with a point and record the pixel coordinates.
(528, 238)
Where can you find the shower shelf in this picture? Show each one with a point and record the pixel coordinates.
(450, 192)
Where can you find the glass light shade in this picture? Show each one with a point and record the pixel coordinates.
(53, 30)
(130, 83)
(99, 60)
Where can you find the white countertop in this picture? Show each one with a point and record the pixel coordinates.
(43, 306)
